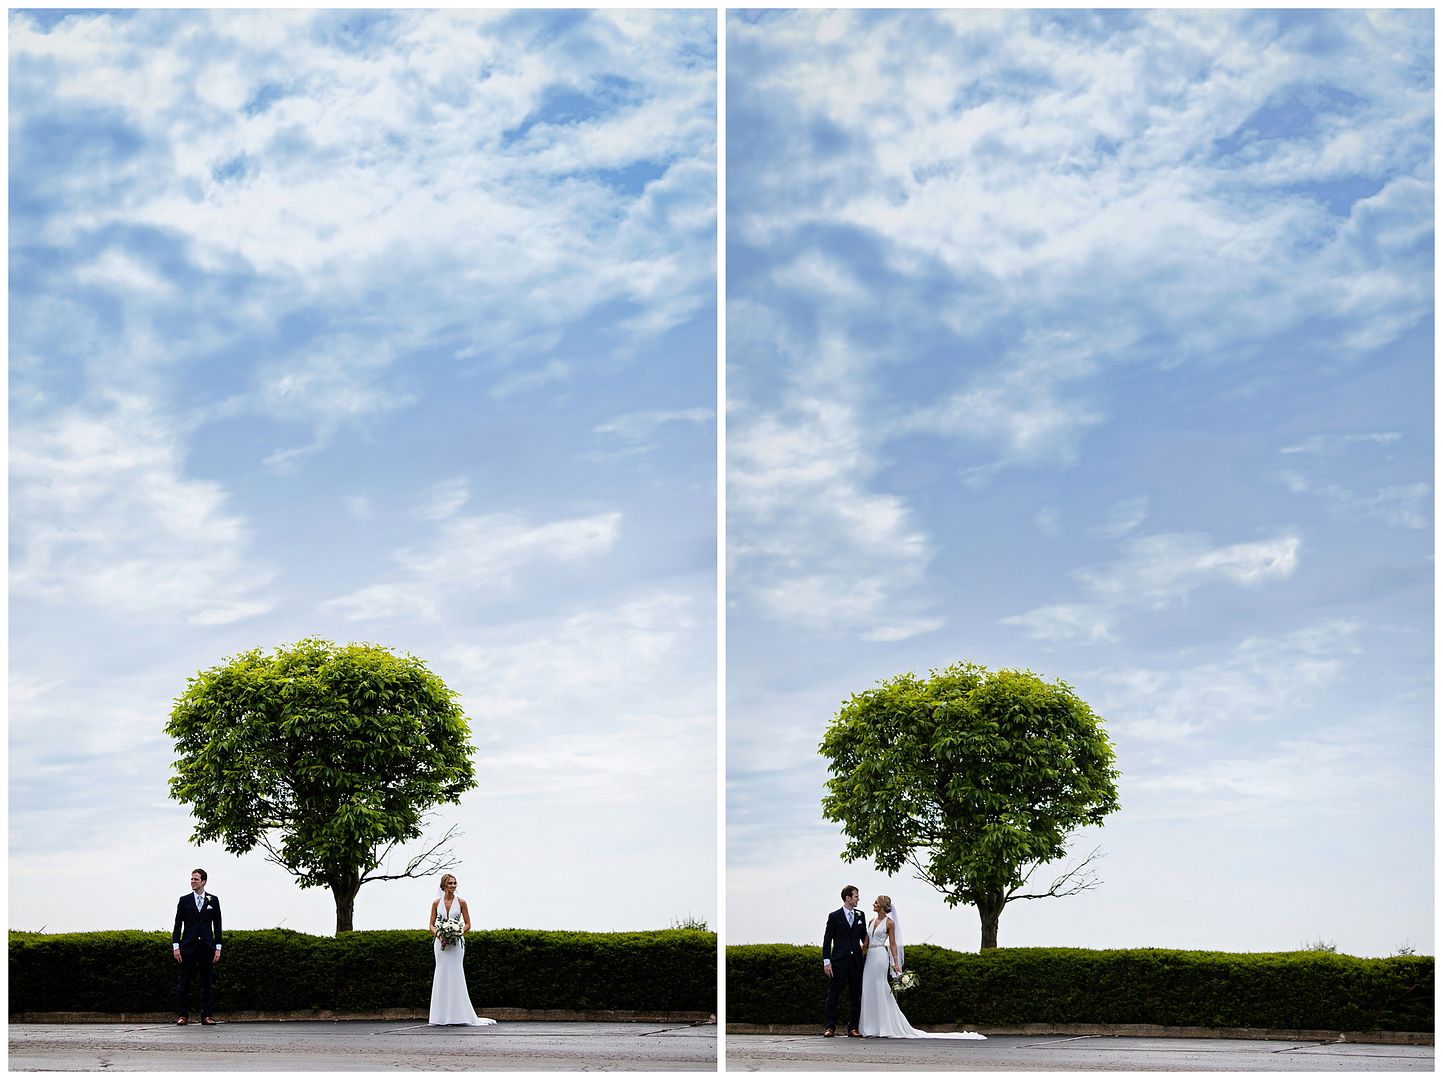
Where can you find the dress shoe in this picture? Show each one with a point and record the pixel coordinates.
(829, 1033)
(209, 1021)
(854, 1034)
(181, 1021)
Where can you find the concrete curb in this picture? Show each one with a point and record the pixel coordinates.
(241, 1016)
(1140, 1031)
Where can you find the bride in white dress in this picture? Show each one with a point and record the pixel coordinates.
(450, 1002)
(881, 1017)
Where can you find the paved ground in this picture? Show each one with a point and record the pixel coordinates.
(1071, 1053)
(361, 1046)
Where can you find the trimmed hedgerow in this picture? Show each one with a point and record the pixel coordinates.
(784, 984)
(125, 971)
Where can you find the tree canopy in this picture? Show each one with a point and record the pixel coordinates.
(327, 757)
(973, 778)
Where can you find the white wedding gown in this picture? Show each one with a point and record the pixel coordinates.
(880, 1015)
(450, 1001)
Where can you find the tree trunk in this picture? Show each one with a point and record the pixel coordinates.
(344, 889)
(990, 912)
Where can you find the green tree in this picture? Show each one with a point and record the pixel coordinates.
(327, 757)
(973, 778)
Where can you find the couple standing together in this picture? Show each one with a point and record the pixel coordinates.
(861, 956)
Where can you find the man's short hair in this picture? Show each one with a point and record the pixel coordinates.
(203, 875)
(848, 890)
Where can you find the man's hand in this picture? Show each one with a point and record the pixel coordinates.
(175, 953)
(217, 957)
(827, 967)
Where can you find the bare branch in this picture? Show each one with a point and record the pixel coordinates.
(274, 856)
(427, 862)
(922, 875)
(1069, 884)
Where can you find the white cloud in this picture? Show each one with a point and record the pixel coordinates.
(526, 673)
(1335, 444)
(469, 554)
(338, 383)
(444, 499)
(1157, 572)
(812, 543)
(1027, 407)
(601, 704)
(103, 513)
(1125, 516)
(1260, 683)
(636, 434)
(639, 426)
(1049, 521)
(1403, 505)
(116, 268)
(1059, 166)
(1332, 773)
(524, 381)
(818, 548)
(413, 180)
(901, 631)
(1066, 622)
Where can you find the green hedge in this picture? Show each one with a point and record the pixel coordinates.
(121, 971)
(784, 984)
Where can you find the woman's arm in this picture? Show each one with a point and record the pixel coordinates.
(466, 916)
(433, 915)
(892, 944)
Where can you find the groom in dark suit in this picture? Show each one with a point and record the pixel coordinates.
(195, 945)
(842, 948)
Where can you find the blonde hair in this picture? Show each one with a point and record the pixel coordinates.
(447, 877)
(886, 902)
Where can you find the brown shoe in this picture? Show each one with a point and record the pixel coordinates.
(854, 1034)
(181, 1021)
(829, 1033)
(209, 1021)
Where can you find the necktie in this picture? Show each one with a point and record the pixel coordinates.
(199, 899)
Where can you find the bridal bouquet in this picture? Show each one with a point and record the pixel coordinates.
(450, 930)
(904, 981)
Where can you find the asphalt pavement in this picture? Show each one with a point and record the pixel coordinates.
(1065, 1053)
(362, 1046)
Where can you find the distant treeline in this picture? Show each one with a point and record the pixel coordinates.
(131, 971)
(1295, 991)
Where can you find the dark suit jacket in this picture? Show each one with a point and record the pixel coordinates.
(196, 927)
(839, 941)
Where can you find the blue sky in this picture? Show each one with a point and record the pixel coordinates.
(384, 326)
(1099, 344)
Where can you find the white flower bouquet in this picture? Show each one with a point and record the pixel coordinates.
(450, 930)
(904, 982)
